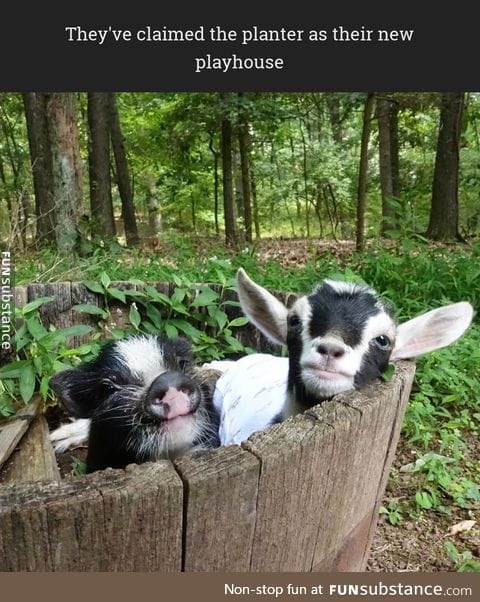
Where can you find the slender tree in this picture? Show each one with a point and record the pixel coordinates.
(122, 172)
(61, 111)
(443, 223)
(244, 146)
(101, 205)
(363, 171)
(41, 161)
(387, 116)
(227, 172)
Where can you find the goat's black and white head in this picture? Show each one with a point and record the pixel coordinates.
(144, 398)
(342, 335)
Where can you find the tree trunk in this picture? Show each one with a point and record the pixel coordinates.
(228, 197)
(123, 174)
(333, 104)
(387, 145)
(216, 155)
(244, 145)
(66, 168)
(443, 224)
(41, 161)
(305, 182)
(101, 205)
(256, 217)
(154, 213)
(363, 172)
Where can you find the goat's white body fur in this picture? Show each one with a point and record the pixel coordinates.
(249, 395)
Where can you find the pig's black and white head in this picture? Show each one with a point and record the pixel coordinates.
(342, 335)
(144, 400)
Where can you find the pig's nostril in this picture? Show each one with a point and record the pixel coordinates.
(337, 353)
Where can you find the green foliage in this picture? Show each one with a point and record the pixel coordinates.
(464, 561)
(40, 353)
(393, 512)
(79, 467)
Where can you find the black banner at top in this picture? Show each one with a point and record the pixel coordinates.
(239, 46)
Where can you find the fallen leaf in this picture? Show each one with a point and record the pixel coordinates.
(464, 525)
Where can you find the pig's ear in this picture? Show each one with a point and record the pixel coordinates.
(78, 390)
(433, 330)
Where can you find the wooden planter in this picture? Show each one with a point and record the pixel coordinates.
(301, 496)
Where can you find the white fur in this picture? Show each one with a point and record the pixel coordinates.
(143, 356)
(249, 395)
(70, 435)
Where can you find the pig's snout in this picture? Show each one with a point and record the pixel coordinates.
(172, 394)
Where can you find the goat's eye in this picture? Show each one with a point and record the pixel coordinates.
(383, 342)
(293, 321)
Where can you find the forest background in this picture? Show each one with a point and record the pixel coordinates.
(185, 187)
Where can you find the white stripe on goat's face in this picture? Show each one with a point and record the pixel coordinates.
(339, 336)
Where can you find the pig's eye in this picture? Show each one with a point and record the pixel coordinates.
(183, 364)
(109, 386)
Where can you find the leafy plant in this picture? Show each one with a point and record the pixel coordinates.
(464, 561)
(40, 353)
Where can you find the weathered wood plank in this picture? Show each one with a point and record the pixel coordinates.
(108, 521)
(221, 494)
(12, 429)
(294, 460)
(58, 311)
(322, 476)
(358, 475)
(34, 458)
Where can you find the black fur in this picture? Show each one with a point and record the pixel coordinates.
(119, 404)
(345, 313)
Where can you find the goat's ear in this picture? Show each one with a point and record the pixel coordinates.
(76, 389)
(433, 330)
(262, 308)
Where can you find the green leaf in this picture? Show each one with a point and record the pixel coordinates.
(36, 328)
(205, 297)
(93, 286)
(116, 294)
(171, 331)
(423, 499)
(240, 321)
(87, 308)
(27, 383)
(14, 369)
(134, 316)
(154, 314)
(105, 279)
(33, 305)
(219, 316)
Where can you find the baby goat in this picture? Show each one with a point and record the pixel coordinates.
(339, 337)
(140, 399)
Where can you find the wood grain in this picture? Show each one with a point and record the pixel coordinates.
(107, 521)
(33, 458)
(12, 429)
(221, 494)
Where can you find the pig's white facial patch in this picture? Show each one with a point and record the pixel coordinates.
(142, 356)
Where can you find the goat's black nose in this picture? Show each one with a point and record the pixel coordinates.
(331, 350)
